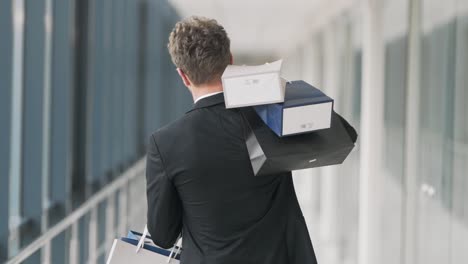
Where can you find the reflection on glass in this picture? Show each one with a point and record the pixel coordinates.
(437, 130)
(393, 150)
(459, 223)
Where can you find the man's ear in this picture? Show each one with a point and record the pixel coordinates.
(184, 77)
(231, 60)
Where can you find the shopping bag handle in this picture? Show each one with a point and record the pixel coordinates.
(176, 245)
(141, 243)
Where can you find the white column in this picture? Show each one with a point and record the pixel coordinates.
(46, 250)
(16, 127)
(312, 73)
(110, 222)
(460, 164)
(329, 226)
(123, 210)
(412, 134)
(93, 236)
(371, 133)
(74, 244)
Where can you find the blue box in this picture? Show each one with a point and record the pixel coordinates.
(305, 109)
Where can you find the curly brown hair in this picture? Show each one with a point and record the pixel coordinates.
(201, 48)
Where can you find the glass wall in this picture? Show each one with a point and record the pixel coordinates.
(437, 230)
(459, 213)
(395, 34)
(61, 120)
(82, 88)
(6, 31)
(33, 124)
(442, 127)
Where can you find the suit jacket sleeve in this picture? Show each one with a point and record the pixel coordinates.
(164, 205)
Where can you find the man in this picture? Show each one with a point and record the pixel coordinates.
(200, 181)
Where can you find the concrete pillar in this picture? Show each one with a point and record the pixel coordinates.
(371, 133)
(412, 133)
(312, 73)
(74, 244)
(93, 237)
(46, 132)
(329, 226)
(16, 127)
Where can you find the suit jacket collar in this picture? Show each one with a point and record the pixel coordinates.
(208, 101)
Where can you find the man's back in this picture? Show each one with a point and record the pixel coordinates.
(200, 181)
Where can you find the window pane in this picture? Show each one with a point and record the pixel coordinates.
(33, 120)
(61, 108)
(395, 37)
(5, 119)
(460, 140)
(436, 126)
(153, 65)
(61, 120)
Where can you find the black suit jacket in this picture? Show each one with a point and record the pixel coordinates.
(200, 182)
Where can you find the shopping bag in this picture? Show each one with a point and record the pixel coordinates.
(141, 251)
(270, 154)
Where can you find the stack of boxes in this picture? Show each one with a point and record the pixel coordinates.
(291, 124)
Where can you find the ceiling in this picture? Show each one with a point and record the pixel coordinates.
(263, 27)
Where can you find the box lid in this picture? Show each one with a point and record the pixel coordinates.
(301, 93)
(245, 70)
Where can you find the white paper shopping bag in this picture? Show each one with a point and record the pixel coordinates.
(129, 250)
(123, 253)
(253, 85)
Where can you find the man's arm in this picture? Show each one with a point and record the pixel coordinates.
(164, 205)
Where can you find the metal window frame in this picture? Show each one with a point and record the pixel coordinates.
(18, 10)
(6, 47)
(46, 133)
(33, 156)
(135, 172)
(460, 165)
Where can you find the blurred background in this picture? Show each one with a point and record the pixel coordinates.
(83, 83)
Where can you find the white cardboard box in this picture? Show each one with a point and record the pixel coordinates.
(253, 85)
(305, 109)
